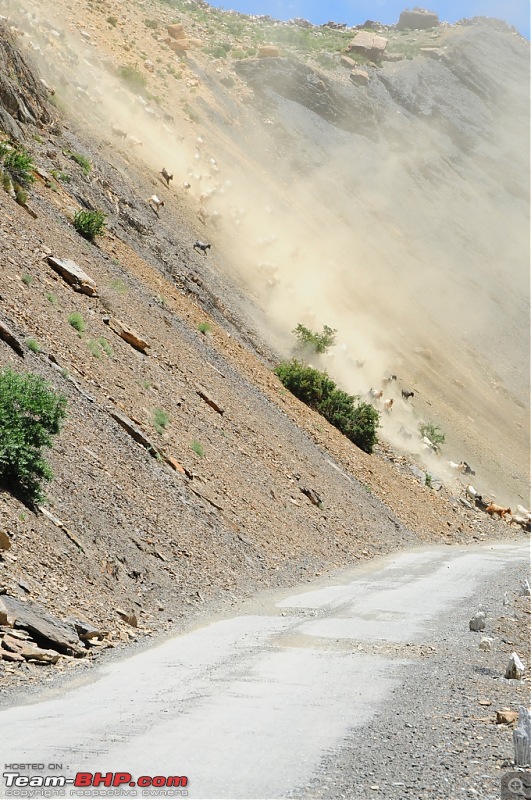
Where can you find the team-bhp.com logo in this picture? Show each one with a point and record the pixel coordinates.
(15, 783)
(516, 786)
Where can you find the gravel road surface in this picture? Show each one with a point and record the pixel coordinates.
(343, 689)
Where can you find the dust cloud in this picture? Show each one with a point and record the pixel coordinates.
(411, 245)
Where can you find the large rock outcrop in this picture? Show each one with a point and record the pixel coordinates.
(419, 19)
(368, 45)
(22, 95)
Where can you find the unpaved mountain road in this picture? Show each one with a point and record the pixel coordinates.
(296, 696)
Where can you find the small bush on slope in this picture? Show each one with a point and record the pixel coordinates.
(30, 414)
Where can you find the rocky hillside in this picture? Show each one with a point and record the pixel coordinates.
(379, 190)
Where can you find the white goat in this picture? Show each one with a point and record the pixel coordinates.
(155, 203)
(428, 445)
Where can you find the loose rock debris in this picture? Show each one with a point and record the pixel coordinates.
(127, 334)
(74, 276)
(9, 337)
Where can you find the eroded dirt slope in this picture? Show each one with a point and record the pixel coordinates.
(148, 538)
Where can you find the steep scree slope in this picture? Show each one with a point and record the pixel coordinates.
(157, 540)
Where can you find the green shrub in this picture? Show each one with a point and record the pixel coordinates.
(151, 23)
(76, 321)
(27, 279)
(84, 162)
(318, 342)
(133, 78)
(432, 432)
(197, 447)
(18, 163)
(358, 421)
(204, 328)
(112, 21)
(30, 414)
(33, 345)
(306, 383)
(160, 420)
(428, 480)
(89, 224)
(52, 298)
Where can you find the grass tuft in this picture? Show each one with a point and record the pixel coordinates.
(33, 345)
(84, 162)
(105, 346)
(160, 420)
(76, 321)
(197, 447)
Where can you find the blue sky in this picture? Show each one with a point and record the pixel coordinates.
(354, 12)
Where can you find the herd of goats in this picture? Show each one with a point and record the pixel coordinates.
(522, 517)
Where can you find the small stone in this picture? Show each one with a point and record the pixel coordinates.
(130, 618)
(127, 334)
(7, 335)
(176, 31)
(5, 541)
(74, 275)
(477, 623)
(506, 717)
(8, 656)
(360, 77)
(348, 62)
(312, 496)
(209, 400)
(515, 669)
(486, 643)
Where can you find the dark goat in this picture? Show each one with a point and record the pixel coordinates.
(166, 175)
(406, 394)
(202, 246)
